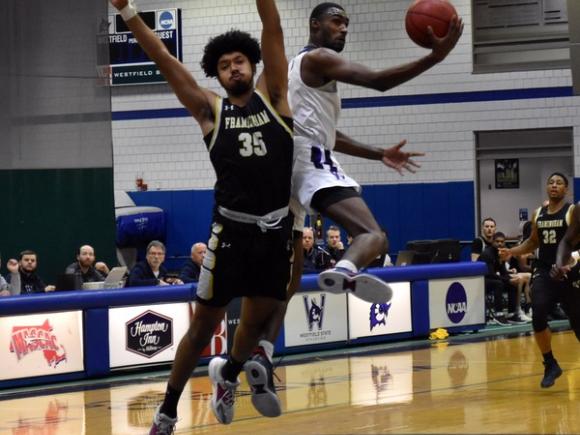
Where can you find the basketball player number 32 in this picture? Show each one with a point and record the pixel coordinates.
(252, 144)
(549, 237)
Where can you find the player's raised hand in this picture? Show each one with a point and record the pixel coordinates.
(119, 4)
(12, 265)
(400, 160)
(443, 46)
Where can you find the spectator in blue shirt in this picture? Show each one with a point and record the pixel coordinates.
(151, 271)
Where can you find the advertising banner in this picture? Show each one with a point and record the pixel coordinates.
(41, 344)
(315, 318)
(368, 320)
(150, 334)
(146, 334)
(130, 65)
(456, 302)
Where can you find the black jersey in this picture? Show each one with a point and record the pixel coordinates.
(251, 150)
(551, 229)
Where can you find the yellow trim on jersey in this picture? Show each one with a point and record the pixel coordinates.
(274, 113)
(536, 214)
(216, 121)
(569, 214)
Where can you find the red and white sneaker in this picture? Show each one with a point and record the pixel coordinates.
(223, 397)
(365, 286)
(162, 424)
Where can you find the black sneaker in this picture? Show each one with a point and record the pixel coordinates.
(515, 319)
(558, 313)
(552, 371)
(259, 374)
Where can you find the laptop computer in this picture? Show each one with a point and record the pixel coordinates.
(404, 258)
(115, 279)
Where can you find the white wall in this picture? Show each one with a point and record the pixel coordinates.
(503, 204)
(171, 155)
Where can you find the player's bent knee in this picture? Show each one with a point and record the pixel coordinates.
(381, 240)
(539, 325)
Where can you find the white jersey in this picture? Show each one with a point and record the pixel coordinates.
(315, 112)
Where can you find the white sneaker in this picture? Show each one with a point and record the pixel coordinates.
(367, 287)
(162, 424)
(525, 317)
(223, 397)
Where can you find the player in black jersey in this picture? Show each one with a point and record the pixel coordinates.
(549, 225)
(249, 138)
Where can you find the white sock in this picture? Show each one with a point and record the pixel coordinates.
(268, 348)
(347, 265)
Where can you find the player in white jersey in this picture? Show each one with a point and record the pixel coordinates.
(319, 183)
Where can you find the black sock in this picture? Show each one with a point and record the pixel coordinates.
(169, 405)
(548, 357)
(232, 369)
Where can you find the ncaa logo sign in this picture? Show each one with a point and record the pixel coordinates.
(166, 20)
(456, 302)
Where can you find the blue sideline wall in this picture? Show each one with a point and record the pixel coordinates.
(407, 211)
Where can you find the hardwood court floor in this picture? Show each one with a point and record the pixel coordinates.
(489, 386)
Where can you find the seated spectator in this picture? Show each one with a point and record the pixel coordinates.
(521, 266)
(334, 245)
(497, 281)
(315, 258)
(23, 277)
(85, 266)
(192, 267)
(488, 226)
(4, 286)
(151, 272)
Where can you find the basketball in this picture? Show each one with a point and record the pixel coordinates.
(424, 13)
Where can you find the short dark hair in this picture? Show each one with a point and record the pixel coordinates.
(234, 40)
(319, 10)
(498, 235)
(559, 174)
(488, 219)
(26, 252)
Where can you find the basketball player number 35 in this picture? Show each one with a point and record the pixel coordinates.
(252, 144)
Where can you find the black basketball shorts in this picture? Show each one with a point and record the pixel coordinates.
(244, 261)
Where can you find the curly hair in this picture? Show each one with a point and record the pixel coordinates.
(234, 40)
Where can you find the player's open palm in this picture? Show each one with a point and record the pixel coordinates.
(443, 46)
(400, 160)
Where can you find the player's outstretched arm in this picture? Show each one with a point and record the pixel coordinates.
(197, 100)
(529, 245)
(327, 64)
(393, 157)
(274, 78)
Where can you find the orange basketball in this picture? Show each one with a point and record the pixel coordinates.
(424, 13)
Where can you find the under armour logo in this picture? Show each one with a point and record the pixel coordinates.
(228, 107)
(226, 245)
